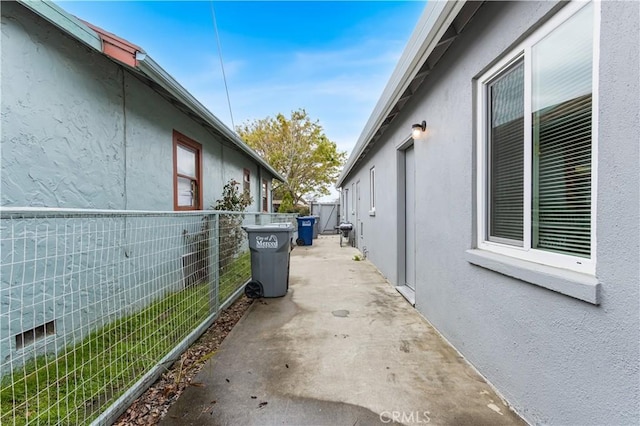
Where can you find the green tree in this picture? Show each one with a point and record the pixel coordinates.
(286, 206)
(299, 150)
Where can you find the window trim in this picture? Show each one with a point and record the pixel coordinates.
(372, 191)
(523, 51)
(574, 284)
(353, 199)
(180, 139)
(346, 203)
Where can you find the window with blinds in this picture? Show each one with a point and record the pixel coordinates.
(537, 142)
(561, 102)
(506, 153)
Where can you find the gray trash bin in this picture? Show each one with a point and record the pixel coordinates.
(270, 247)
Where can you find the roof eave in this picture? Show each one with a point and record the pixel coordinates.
(433, 23)
(66, 22)
(156, 73)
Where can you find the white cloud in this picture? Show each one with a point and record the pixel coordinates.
(339, 87)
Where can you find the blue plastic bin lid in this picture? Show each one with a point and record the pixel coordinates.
(306, 221)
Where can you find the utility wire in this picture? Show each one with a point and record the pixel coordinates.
(224, 76)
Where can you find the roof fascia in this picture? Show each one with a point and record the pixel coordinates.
(115, 47)
(434, 21)
(156, 73)
(66, 22)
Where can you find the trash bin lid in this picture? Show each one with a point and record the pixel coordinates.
(301, 218)
(273, 227)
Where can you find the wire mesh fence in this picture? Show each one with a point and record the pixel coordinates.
(96, 304)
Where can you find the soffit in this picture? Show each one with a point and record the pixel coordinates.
(447, 25)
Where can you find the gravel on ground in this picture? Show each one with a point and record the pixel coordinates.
(152, 405)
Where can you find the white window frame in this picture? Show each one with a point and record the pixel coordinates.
(346, 204)
(265, 196)
(372, 191)
(523, 50)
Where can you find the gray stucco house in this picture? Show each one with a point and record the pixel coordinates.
(89, 120)
(512, 221)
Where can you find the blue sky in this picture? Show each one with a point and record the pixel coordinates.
(331, 58)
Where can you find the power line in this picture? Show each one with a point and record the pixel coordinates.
(224, 76)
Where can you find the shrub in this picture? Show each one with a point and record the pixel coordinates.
(231, 234)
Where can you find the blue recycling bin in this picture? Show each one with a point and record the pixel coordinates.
(305, 230)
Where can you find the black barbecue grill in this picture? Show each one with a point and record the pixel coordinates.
(344, 229)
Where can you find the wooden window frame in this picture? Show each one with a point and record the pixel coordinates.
(246, 181)
(180, 139)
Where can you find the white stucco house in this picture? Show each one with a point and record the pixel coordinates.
(89, 120)
(512, 220)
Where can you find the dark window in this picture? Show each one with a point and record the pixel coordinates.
(246, 182)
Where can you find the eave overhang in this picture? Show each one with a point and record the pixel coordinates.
(438, 27)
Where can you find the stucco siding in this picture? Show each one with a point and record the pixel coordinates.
(557, 359)
(150, 125)
(378, 228)
(62, 121)
(80, 131)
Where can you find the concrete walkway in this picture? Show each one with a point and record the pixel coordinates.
(342, 348)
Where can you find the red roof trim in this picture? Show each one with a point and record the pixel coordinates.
(116, 47)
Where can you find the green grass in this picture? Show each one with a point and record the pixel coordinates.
(77, 384)
(234, 275)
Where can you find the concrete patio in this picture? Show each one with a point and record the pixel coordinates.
(342, 348)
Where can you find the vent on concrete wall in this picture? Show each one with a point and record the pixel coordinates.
(28, 337)
(193, 268)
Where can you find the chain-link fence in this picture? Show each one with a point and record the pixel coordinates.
(95, 305)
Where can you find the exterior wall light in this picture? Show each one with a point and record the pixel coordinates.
(417, 130)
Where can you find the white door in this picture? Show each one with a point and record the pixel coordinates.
(410, 217)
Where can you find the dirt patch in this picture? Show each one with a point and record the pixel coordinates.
(153, 405)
